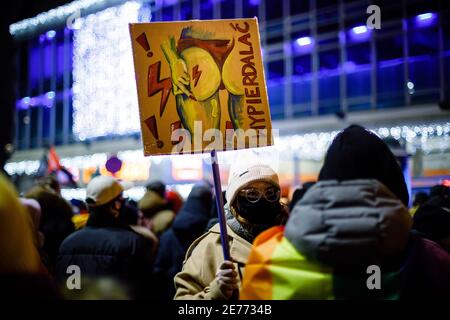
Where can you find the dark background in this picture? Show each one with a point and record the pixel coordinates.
(20, 10)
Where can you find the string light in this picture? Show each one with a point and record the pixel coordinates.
(49, 17)
(310, 146)
(104, 88)
(135, 193)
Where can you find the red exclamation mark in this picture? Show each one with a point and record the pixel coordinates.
(142, 40)
(152, 126)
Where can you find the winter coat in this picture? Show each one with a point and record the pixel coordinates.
(204, 256)
(339, 235)
(105, 247)
(188, 225)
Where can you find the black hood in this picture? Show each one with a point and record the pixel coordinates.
(356, 153)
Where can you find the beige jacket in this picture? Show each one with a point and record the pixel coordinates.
(203, 258)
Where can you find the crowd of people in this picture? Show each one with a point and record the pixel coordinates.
(318, 246)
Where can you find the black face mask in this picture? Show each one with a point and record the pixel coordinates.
(260, 212)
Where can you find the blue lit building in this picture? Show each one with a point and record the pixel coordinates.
(324, 67)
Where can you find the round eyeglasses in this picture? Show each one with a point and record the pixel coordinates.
(254, 195)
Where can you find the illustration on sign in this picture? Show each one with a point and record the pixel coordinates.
(205, 78)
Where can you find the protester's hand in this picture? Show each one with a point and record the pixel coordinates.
(227, 278)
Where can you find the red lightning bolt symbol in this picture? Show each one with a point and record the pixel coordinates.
(196, 74)
(156, 85)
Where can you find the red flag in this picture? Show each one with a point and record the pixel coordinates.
(53, 161)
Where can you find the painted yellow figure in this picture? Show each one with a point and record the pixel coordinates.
(198, 65)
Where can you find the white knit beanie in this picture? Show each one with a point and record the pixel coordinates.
(241, 178)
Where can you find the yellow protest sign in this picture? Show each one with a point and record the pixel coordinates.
(200, 86)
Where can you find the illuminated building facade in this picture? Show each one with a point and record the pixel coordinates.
(324, 67)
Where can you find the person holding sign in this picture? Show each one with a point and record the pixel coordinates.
(253, 205)
(201, 88)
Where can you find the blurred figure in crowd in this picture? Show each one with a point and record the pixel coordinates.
(49, 183)
(175, 200)
(419, 199)
(299, 193)
(157, 186)
(106, 247)
(56, 218)
(355, 216)
(253, 205)
(130, 216)
(432, 219)
(188, 225)
(156, 214)
(34, 210)
(440, 195)
(172, 197)
(21, 273)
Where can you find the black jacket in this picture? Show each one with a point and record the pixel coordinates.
(188, 225)
(105, 247)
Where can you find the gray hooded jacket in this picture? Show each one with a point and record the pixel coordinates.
(349, 223)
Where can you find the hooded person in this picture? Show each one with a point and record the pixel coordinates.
(189, 224)
(253, 205)
(352, 223)
(107, 247)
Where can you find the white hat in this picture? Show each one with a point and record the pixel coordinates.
(103, 189)
(241, 178)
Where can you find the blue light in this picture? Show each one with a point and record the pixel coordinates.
(425, 16)
(425, 19)
(359, 30)
(253, 2)
(304, 41)
(26, 100)
(34, 101)
(50, 95)
(303, 44)
(360, 33)
(50, 34)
